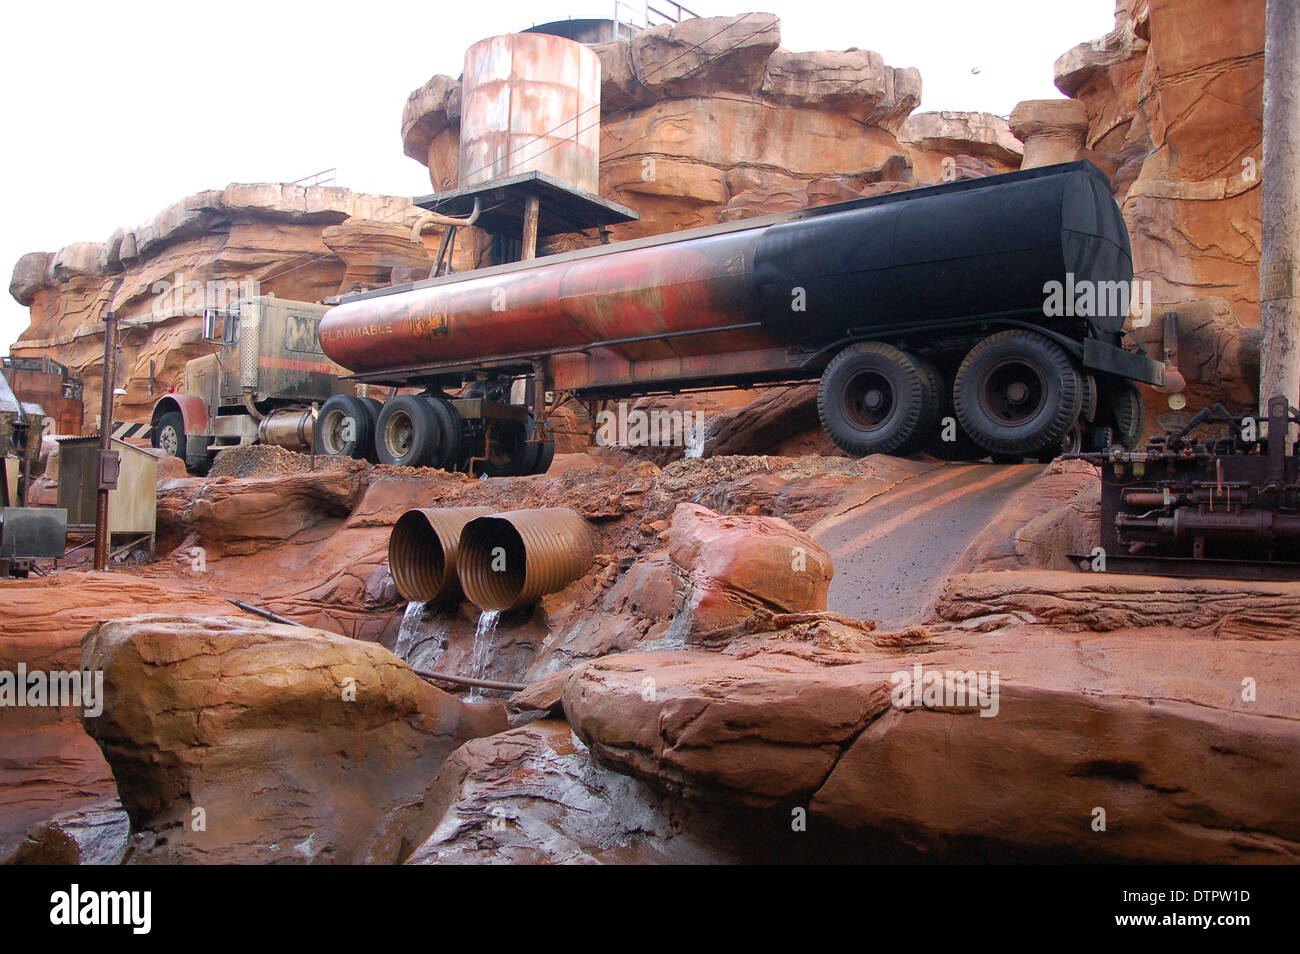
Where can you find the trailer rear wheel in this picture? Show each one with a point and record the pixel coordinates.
(408, 432)
(344, 428)
(871, 400)
(1124, 409)
(946, 439)
(373, 407)
(1017, 392)
(451, 442)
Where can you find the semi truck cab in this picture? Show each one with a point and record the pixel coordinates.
(263, 382)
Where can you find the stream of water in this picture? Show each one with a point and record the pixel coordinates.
(695, 437)
(483, 633)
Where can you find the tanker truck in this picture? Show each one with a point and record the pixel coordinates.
(990, 308)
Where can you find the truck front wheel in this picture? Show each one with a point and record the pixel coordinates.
(169, 434)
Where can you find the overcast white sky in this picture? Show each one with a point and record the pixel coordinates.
(112, 111)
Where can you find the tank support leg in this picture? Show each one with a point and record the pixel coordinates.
(539, 408)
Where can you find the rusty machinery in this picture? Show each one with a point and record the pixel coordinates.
(1192, 505)
(26, 533)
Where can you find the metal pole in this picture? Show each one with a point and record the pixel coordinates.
(105, 438)
(1280, 250)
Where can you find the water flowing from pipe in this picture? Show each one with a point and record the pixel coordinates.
(483, 633)
(696, 435)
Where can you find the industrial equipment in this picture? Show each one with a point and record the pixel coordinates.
(908, 306)
(44, 381)
(130, 475)
(1196, 505)
(26, 533)
(262, 384)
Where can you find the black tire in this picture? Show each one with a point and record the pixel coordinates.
(961, 447)
(408, 433)
(1100, 439)
(451, 443)
(1017, 393)
(1088, 412)
(932, 404)
(340, 415)
(871, 400)
(169, 434)
(373, 407)
(545, 458)
(1071, 443)
(1127, 411)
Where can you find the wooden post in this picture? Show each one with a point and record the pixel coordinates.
(532, 210)
(1279, 372)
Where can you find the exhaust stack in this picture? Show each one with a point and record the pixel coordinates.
(515, 558)
(423, 549)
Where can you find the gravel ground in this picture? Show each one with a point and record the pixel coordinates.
(267, 460)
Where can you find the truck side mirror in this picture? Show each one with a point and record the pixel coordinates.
(209, 324)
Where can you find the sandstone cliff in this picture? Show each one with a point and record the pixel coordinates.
(1174, 99)
(298, 242)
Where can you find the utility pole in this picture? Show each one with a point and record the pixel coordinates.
(105, 440)
(1279, 283)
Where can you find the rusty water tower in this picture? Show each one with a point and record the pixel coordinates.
(529, 148)
(530, 102)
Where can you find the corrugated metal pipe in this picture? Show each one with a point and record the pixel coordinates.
(515, 558)
(422, 552)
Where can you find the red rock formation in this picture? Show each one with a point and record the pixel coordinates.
(50, 765)
(727, 568)
(294, 241)
(1174, 96)
(245, 741)
(711, 119)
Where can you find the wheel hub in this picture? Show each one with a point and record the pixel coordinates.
(1013, 393)
(868, 399)
(399, 434)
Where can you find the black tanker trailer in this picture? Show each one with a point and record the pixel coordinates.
(997, 304)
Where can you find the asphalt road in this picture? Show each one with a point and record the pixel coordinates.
(893, 553)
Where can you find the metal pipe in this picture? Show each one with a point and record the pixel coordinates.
(105, 439)
(250, 406)
(467, 681)
(265, 614)
(532, 207)
(515, 558)
(422, 551)
(434, 218)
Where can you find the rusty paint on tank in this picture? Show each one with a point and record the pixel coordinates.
(530, 102)
(691, 285)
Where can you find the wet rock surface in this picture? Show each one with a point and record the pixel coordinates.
(243, 741)
(1117, 692)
